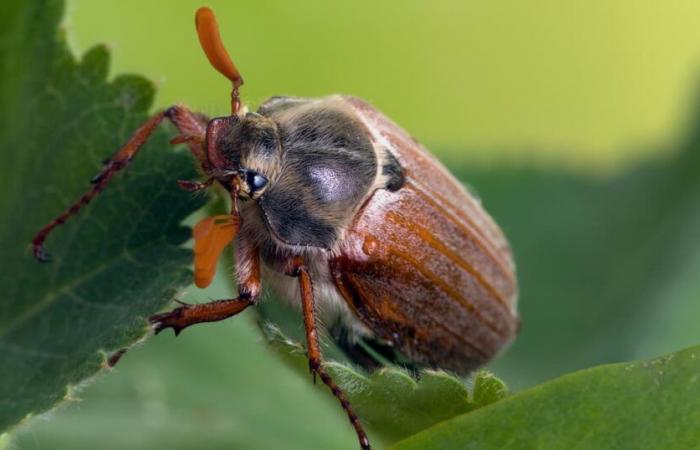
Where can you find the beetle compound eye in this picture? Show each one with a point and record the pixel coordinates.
(255, 181)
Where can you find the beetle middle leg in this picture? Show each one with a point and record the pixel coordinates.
(300, 271)
(193, 130)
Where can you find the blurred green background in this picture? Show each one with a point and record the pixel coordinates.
(574, 122)
(585, 82)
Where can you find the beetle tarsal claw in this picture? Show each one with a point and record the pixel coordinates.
(41, 254)
(211, 236)
(174, 319)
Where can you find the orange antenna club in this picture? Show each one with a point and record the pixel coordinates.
(210, 40)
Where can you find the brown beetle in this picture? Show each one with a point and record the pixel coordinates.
(348, 217)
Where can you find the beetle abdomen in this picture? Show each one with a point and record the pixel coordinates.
(425, 267)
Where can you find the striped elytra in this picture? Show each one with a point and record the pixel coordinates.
(425, 267)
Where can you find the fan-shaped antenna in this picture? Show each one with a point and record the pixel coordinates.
(210, 39)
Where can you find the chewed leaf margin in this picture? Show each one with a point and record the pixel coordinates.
(120, 260)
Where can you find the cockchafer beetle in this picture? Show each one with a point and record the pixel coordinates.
(348, 216)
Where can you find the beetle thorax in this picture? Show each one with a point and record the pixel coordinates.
(314, 162)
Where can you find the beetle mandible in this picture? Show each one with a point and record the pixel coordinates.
(348, 217)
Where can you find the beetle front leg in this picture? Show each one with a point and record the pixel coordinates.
(182, 317)
(248, 271)
(187, 122)
(300, 271)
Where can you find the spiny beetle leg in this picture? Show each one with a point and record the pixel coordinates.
(184, 139)
(183, 316)
(186, 121)
(299, 270)
(248, 266)
(194, 186)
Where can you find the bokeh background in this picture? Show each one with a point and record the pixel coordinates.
(590, 84)
(577, 124)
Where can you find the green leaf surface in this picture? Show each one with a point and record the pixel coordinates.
(116, 263)
(216, 386)
(392, 403)
(643, 405)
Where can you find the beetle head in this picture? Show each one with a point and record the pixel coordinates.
(242, 149)
(244, 152)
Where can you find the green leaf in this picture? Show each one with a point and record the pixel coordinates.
(647, 404)
(116, 263)
(216, 386)
(488, 388)
(390, 402)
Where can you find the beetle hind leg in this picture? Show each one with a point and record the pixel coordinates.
(314, 352)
